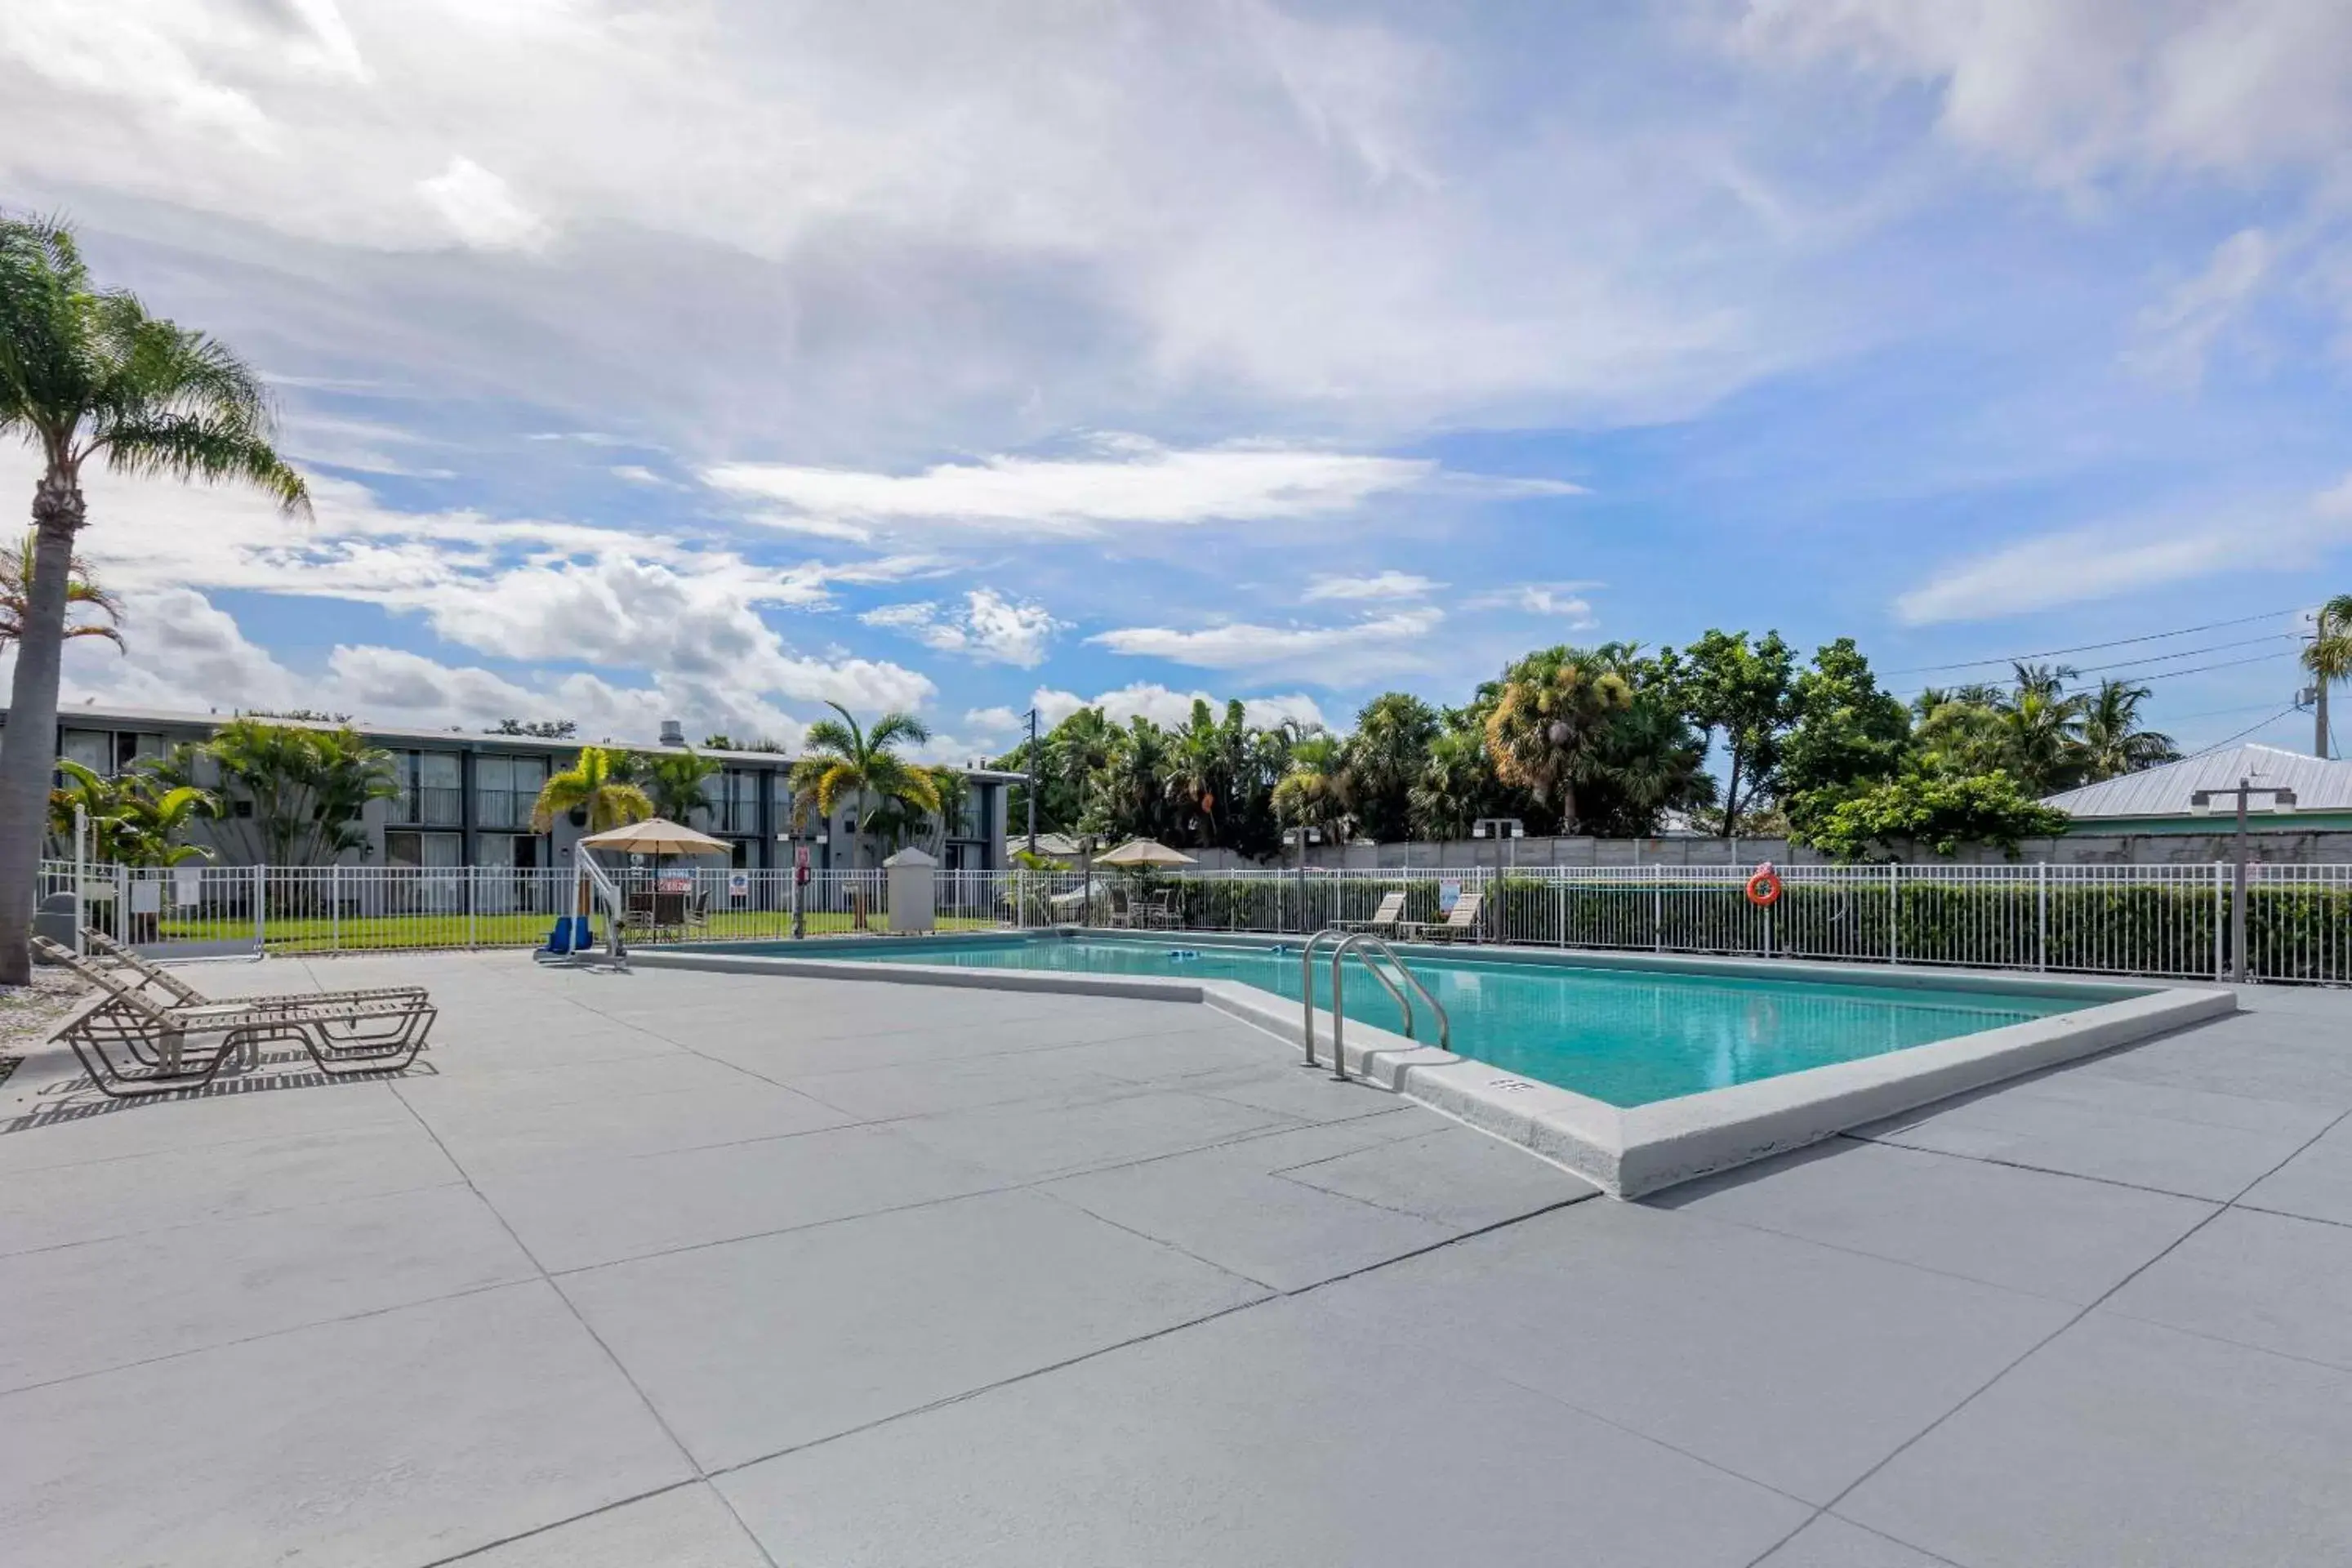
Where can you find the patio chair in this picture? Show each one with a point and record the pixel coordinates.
(170, 991)
(132, 1045)
(1162, 913)
(1460, 922)
(1387, 917)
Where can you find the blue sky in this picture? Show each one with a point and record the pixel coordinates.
(714, 360)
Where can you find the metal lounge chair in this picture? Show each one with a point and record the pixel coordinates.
(170, 990)
(132, 1044)
(1460, 922)
(1386, 917)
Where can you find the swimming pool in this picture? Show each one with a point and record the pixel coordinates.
(1625, 1036)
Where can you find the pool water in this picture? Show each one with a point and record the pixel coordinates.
(1622, 1035)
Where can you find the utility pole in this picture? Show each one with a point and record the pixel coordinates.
(2200, 804)
(1031, 759)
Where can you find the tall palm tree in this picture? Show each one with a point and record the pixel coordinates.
(81, 590)
(2328, 657)
(2113, 743)
(1317, 791)
(86, 374)
(596, 786)
(1385, 756)
(1131, 799)
(1198, 768)
(844, 759)
(1548, 722)
(1456, 784)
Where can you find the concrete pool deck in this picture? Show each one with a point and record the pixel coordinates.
(734, 1272)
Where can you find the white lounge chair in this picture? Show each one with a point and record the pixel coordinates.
(1461, 921)
(1386, 917)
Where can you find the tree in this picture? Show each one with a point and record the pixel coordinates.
(1548, 721)
(1385, 758)
(137, 819)
(81, 592)
(303, 788)
(1317, 791)
(537, 728)
(1457, 782)
(2328, 654)
(1846, 733)
(1938, 812)
(596, 786)
(1741, 699)
(86, 374)
(1130, 801)
(2113, 739)
(677, 782)
(844, 759)
(1647, 762)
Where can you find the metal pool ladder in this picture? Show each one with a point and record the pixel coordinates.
(1365, 947)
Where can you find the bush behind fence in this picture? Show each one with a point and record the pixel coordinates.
(2170, 920)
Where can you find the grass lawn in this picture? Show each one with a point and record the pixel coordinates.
(369, 932)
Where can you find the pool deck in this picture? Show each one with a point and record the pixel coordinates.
(738, 1271)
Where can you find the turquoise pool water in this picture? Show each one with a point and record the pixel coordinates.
(1622, 1035)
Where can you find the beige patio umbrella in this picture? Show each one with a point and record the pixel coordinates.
(1141, 853)
(657, 836)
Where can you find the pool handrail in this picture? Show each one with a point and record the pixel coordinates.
(1359, 942)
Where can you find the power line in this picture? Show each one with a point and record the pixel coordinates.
(2192, 669)
(2241, 734)
(2186, 652)
(2088, 647)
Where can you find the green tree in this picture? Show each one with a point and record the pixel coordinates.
(1317, 790)
(1385, 758)
(1741, 697)
(2114, 741)
(1846, 733)
(843, 758)
(1130, 798)
(88, 376)
(677, 782)
(596, 785)
(303, 788)
(137, 819)
(1548, 722)
(1457, 783)
(82, 591)
(2328, 654)
(1935, 812)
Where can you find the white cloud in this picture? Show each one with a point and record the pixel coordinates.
(1133, 481)
(480, 210)
(2078, 90)
(1554, 599)
(1387, 585)
(2175, 337)
(637, 474)
(2098, 563)
(1331, 656)
(989, 626)
(1146, 700)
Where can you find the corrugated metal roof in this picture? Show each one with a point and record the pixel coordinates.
(2318, 784)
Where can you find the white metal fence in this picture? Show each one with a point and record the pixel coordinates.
(2172, 920)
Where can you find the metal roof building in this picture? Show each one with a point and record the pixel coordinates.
(2155, 800)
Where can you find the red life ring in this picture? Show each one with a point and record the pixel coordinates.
(1764, 888)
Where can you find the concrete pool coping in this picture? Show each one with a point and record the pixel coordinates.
(1626, 1151)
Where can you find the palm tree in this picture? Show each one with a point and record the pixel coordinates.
(2328, 657)
(88, 375)
(1548, 721)
(1385, 756)
(81, 588)
(137, 819)
(1456, 784)
(676, 781)
(844, 759)
(1130, 801)
(1199, 767)
(593, 785)
(2113, 741)
(306, 786)
(1317, 791)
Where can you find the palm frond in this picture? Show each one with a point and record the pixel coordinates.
(195, 446)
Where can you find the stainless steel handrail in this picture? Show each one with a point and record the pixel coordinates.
(1359, 942)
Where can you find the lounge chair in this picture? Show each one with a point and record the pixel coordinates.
(1460, 922)
(132, 1044)
(1387, 917)
(170, 991)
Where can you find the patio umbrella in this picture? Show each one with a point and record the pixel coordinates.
(658, 836)
(1142, 853)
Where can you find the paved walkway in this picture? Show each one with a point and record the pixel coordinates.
(734, 1272)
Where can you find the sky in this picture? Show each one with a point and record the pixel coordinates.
(716, 359)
